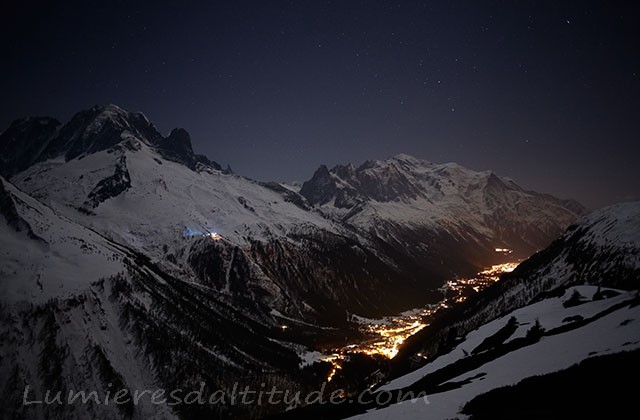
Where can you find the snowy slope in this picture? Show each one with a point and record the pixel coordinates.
(56, 257)
(550, 313)
(611, 325)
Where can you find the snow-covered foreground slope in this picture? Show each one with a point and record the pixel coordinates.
(551, 313)
(572, 334)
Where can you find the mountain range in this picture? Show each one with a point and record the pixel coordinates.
(129, 259)
(398, 225)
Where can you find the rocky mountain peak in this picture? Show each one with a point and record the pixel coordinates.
(320, 188)
(101, 127)
(178, 141)
(380, 180)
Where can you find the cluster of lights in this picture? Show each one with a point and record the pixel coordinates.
(484, 279)
(494, 272)
(388, 338)
(391, 337)
(393, 331)
(215, 236)
(188, 233)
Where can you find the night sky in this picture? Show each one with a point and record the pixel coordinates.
(546, 92)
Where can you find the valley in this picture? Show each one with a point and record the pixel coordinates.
(384, 336)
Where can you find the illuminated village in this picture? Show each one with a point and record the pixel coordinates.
(387, 334)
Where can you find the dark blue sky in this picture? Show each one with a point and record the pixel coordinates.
(546, 92)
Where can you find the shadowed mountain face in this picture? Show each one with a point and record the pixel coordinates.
(108, 221)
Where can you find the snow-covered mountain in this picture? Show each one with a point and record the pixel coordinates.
(403, 194)
(82, 312)
(128, 259)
